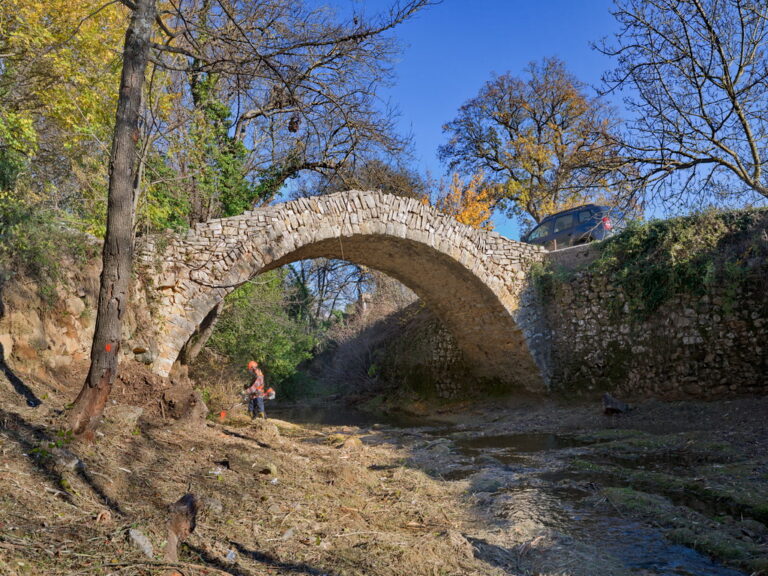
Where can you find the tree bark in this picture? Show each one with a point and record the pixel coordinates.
(117, 254)
(194, 346)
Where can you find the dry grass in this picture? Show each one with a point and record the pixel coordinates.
(286, 500)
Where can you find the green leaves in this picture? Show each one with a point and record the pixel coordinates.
(165, 205)
(18, 141)
(255, 324)
(32, 242)
(655, 261)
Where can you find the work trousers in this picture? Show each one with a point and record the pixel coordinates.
(256, 402)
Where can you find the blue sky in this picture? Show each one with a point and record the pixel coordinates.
(450, 50)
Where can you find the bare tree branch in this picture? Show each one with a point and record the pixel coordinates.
(696, 76)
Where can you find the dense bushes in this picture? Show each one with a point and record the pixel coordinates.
(654, 261)
(255, 325)
(34, 241)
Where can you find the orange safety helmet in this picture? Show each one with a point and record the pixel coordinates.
(252, 365)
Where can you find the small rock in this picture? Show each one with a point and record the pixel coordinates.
(66, 460)
(352, 444)
(147, 357)
(211, 505)
(275, 509)
(75, 306)
(125, 417)
(488, 481)
(140, 540)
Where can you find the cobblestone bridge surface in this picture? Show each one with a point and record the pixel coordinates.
(472, 279)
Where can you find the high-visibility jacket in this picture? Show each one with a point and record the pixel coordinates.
(257, 388)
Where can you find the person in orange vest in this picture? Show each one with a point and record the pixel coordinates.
(256, 392)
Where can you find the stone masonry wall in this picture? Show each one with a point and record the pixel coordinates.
(425, 357)
(473, 280)
(585, 340)
(708, 346)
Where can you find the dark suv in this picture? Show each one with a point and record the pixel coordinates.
(575, 226)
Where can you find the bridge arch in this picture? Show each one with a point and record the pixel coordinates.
(471, 279)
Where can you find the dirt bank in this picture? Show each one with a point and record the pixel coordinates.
(282, 499)
(371, 500)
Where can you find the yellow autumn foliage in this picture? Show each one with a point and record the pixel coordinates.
(470, 202)
(545, 143)
(61, 62)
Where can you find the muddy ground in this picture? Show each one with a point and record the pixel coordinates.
(517, 486)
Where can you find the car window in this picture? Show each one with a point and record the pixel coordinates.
(585, 216)
(563, 223)
(540, 231)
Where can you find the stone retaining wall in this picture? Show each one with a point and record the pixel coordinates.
(707, 346)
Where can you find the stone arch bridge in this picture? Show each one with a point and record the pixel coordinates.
(473, 280)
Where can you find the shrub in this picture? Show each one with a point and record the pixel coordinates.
(34, 241)
(654, 261)
(255, 325)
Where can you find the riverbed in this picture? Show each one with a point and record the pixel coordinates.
(556, 488)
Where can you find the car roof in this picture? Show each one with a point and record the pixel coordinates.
(576, 209)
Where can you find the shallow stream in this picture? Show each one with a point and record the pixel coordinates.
(523, 482)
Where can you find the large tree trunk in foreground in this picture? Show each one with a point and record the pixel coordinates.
(118, 244)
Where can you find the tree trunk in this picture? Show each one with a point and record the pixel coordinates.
(118, 245)
(194, 346)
